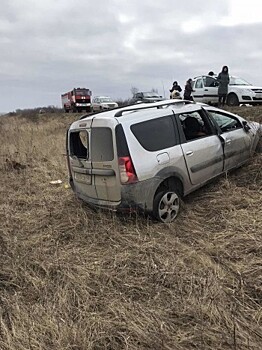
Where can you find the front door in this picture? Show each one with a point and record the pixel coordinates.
(237, 141)
(198, 90)
(210, 90)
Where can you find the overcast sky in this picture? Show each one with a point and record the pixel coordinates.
(49, 47)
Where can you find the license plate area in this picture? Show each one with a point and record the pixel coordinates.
(83, 178)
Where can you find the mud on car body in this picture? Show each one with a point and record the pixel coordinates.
(148, 156)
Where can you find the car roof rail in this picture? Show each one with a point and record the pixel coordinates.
(84, 116)
(156, 105)
(92, 113)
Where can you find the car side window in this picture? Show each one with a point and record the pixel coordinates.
(199, 84)
(210, 82)
(195, 125)
(155, 134)
(225, 121)
(102, 144)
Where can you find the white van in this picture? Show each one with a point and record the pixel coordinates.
(146, 157)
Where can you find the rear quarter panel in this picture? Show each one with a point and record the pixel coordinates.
(157, 164)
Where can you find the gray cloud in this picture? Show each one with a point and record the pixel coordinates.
(49, 47)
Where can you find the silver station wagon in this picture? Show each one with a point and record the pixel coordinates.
(148, 156)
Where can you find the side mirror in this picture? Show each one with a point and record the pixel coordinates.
(246, 126)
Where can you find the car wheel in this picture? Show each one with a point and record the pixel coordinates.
(166, 205)
(259, 146)
(232, 100)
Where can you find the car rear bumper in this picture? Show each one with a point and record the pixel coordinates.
(134, 197)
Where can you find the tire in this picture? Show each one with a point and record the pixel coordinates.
(166, 205)
(232, 100)
(259, 146)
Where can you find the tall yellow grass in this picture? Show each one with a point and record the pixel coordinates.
(76, 279)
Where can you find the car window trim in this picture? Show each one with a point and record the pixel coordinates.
(226, 114)
(206, 118)
(175, 131)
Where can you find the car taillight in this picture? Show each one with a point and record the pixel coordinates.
(127, 171)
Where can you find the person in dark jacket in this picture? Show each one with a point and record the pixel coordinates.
(175, 90)
(223, 80)
(188, 90)
(175, 87)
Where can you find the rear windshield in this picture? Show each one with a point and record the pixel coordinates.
(155, 134)
(102, 144)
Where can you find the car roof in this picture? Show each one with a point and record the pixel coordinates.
(213, 76)
(145, 111)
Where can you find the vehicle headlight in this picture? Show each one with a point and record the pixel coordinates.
(247, 92)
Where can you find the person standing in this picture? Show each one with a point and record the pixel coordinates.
(188, 90)
(223, 80)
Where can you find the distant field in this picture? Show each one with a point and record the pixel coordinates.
(75, 279)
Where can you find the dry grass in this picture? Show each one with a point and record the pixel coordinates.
(75, 279)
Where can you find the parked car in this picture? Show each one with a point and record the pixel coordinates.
(100, 103)
(205, 89)
(146, 97)
(146, 157)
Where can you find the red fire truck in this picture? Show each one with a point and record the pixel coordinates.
(77, 100)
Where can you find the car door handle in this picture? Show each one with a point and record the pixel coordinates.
(228, 142)
(206, 89)
(189, 153)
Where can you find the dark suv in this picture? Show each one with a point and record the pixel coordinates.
(146, 97)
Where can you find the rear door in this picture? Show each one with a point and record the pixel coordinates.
(204, 158)
(79, 140)
(105, 170)
(203, 152)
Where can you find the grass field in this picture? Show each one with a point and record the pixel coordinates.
(75, 279)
